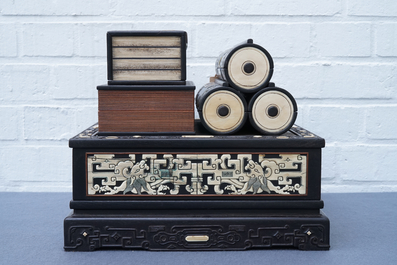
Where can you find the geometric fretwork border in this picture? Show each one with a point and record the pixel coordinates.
(126, 174)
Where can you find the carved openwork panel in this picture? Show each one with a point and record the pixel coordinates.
(127, 174)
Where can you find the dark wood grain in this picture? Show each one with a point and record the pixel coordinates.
(146, 121)
(146, 100)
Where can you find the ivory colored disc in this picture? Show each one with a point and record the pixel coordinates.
(273, 111)
(259, 67)
(219, 121)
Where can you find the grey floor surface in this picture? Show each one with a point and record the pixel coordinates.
(363, 231)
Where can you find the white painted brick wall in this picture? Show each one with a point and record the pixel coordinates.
(343, 39)
(28, 82)
(338, 58)
(69, 81)
(11, 118)
(48, 39)
(380, 8)
(288, 7)
(169, 8)
(8, 40)
(386, 39)
(276, 38)
(381, 122)
(48, 123)
(212, 45)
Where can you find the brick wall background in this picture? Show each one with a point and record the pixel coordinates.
(338, 59)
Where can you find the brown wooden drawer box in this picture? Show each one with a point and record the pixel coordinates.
(131, 109)
(140, 57)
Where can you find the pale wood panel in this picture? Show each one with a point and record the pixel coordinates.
(229, 100)
(261, 67)
(146, 52)
(146, 64)
(147, 75)
(146, 121)
(146, 41)
(285, 111)
(138, 100)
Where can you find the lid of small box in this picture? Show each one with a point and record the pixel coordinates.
(149, 33)
(188, 86)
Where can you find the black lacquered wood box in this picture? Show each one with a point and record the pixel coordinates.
(197, 192)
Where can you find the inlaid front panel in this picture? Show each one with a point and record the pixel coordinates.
(261, 174)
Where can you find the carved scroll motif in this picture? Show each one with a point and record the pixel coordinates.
(196, 174)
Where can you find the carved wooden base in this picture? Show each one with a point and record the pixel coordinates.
(177, 230)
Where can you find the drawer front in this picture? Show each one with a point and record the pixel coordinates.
(146, 121)
(138, 100)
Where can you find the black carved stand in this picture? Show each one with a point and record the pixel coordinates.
(196, 192)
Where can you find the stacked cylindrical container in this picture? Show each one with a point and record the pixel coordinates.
(242, 90)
